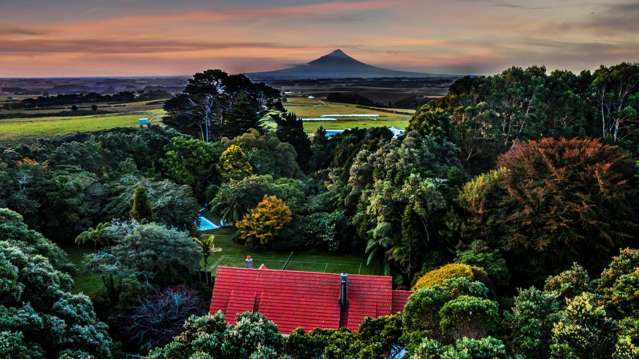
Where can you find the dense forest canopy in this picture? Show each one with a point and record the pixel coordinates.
(510, 207)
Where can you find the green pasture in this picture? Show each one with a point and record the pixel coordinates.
(233, 255)
(24, 128)
(307, 108)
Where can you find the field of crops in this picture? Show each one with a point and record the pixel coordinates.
(313, 108)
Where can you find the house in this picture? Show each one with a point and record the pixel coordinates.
(309, 300)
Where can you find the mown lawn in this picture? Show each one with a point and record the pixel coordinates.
(24, 128)
(233, 255)
(87, 283)
(309, 108)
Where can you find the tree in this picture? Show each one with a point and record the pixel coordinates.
(211, 337)
(173, 205)
(469, 317)
(159, 317)
(94, 108)
(262, 224)
(14, 232)
(464, 348)
(243, 116)
(568, 284)
(422, 311)
(154, 253)
(617, 99)
(140, 207)
(40, 316)
(291, 129)
(267, 154)
(583, 330)
(99, 236)
(235, 198)
(233, 163)
(193, 162)
(479, 254)
(532, 317)
(209, 98)
(207, 246)
(556, 202)
(619, 284)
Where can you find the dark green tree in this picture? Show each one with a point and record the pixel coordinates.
(290, 129)
(40, 317)
(243, 116)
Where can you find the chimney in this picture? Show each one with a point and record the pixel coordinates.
(343, 291)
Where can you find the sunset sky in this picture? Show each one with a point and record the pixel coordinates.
(169, 37)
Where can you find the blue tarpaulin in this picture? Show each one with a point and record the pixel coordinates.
(204, 224)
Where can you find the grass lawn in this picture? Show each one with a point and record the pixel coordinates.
(24, 128)
(86, 283)
(233, 255)
(308, 108)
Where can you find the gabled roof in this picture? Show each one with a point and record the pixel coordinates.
(293, 299)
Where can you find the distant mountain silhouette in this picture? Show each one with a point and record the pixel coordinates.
(336, 65)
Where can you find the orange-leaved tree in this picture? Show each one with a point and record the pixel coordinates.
(555, 201)
(262, 224)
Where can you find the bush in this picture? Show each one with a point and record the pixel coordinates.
(568, 284)
(584, 330)
(531, 320)
(261, 225)
(421, 312)
(619, 284)
(478, 254)
(300, 344)
(448, 271)
(627, 346)
(210, 337)
(467, 316)
(465, 348)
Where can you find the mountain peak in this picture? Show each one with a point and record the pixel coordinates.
(335, 57)
(338, 53)
(336, 64)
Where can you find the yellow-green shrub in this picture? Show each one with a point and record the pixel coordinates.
(448, 271)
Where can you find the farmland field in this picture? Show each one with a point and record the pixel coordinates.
(233, 255)
(313, 108)
(25, 128)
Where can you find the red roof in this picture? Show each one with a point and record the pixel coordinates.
(293, 299)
